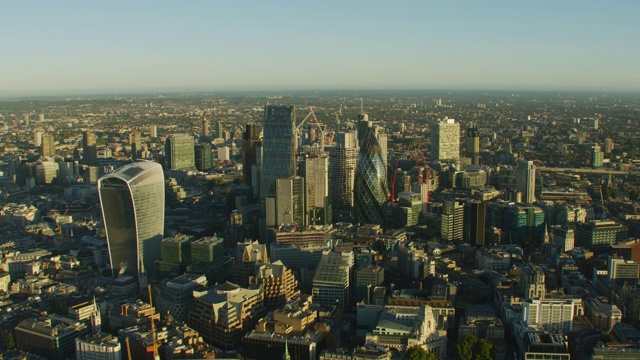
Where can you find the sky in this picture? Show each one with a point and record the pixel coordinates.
(76, 47)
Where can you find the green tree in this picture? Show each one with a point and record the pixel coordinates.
(464, 349)
(418, 353)
(634, 194)
(11, 341)
(483, 350)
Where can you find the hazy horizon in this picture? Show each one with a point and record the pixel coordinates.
(77, 48)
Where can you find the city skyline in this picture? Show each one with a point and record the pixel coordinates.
(68, 48)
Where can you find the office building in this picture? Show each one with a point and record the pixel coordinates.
(367, 278)
(548, 344)
(519, 223)
(473, 145)
(475, 213)
(224, 314)
(46, 337)
(203, 157)
(179, 152)
(597, 156)
(371, 191)
(315, 171)
(175, 297)
(620, 270)
(331, 283)
(452, 223)
(532, 282)
(132, 202)
(48, 147)
(608, 145)
(278, 148)
(597, 236)
(411, 204)
(602, 313)
(445, 140)
(205, 127)
(175, 251)
(549, 313)
(526, 180)
(288, 206)
(89, 148)
(136, 145)
(277, 282)
(100, 346)
(153, 131)
(343, 159)
(251, 144)
(47, 171)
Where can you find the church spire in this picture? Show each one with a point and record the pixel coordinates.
(286, 351)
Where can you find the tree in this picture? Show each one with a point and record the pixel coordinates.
(11, 341)
(483, 350)
(416, 352)
(464, 349)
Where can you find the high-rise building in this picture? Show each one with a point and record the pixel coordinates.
(288, 206)
(48, 145)
(597, 156)
(371, 190)
(250, 145)
(622, 270)
(315, 170)
(153, 131)
(563, 236)
(331, 283)
(37, 138)
(452, 224)
(89, 151)
(179, 152)
(343, 159)
(47, 171)
(475, 214)
(278, 160)
(526, 180)
(203, 157)
(473, 145)
(136, 145)
(608, 145)
(205, 127)
(445, 140)
(132, 202)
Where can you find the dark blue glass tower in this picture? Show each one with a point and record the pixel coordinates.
(370, 190)
(278, 152)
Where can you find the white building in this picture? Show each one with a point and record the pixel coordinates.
(549, 313)
(98, 347)
(445, 140)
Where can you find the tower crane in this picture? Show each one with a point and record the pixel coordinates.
(393, 183)
(153, 328)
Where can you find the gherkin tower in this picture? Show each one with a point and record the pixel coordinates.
(370, 190)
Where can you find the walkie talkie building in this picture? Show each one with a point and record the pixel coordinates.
(370, 192)
(132, 202)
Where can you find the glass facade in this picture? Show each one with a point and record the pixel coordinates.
(179, 152)
(278, 159)
(132, 202)
(371, 191)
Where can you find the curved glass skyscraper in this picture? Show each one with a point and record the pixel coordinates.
(132, 201)
(370, 190)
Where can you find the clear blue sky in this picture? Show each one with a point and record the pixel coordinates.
(57, 47)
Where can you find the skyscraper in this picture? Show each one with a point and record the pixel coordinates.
(179, 152)
(597, 156)
(473, 145)
(203, 157)
(132, 202)
(315, 170)
(371, 190)
(90, 152)
(343, 159)
(289, 202)
(475, 213)
(48, 145)
(526, 180)
(452, 225)
(250, 144)
(205, 127)
(445, 140)
(278, 159)
(136, 145)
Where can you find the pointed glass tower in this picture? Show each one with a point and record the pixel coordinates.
(370, 190)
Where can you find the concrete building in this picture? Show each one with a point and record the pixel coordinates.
(278, 284)
(563, 237)
(549, 313)
(526, 180)
(597, 156)
(251, 144)
(367, 278)
(332, 280)
(535, 344)
(175, 297)
(315, 171)
(473, 145)
(99, 346)
(452, 224)
(48, 147)
(47, 171)
(598, 235)
(46, 337)
(278, 148)
(445, 140)
(532, 282)
(223, 315)
(602, 314)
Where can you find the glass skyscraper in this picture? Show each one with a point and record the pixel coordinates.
(371, 191)
(179, 152)
(278, 152)
(132, 202)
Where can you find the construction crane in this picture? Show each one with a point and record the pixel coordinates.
(296, 128)
(128, 347)
(153, 328)
(428, 170)
(321, 127)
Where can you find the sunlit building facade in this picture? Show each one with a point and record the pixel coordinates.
(278, 159)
